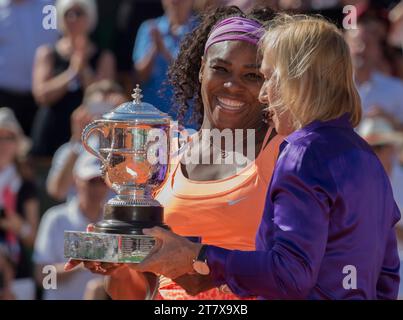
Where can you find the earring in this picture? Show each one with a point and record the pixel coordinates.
(227, 84)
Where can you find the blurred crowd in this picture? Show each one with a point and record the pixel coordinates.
(53, 82)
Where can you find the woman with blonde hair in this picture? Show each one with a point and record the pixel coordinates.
(62, 72)
(327, 230)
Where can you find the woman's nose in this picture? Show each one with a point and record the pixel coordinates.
(234, 84)
(263, 98)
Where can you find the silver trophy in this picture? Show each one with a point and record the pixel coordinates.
(134, 149)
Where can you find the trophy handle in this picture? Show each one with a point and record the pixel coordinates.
(87, 132)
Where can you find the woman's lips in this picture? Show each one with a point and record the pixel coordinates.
(231, 105)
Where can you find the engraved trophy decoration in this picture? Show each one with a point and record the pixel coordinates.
(134, 150)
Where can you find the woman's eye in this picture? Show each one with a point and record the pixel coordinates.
(254, 77)
(219, 69)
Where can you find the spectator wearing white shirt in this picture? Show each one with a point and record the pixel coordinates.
(74, 215)
(381, 94)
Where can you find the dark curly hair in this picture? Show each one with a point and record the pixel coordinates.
(183, 74)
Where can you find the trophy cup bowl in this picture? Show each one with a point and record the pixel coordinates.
(134, 150)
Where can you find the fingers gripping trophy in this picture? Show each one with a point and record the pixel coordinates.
(134, 150)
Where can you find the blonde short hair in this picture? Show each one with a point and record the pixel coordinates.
(89, 6)
(312, 69)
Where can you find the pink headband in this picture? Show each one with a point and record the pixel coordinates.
(237, 29)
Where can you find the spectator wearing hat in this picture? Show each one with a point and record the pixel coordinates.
(19, 205)
(75, 214)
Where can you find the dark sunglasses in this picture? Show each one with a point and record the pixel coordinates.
(75, 13)
(8, 138)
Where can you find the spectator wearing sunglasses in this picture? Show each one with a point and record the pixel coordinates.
(62, 72)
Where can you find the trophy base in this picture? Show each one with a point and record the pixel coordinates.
(103, 247)
(119, 237)
(130, 220)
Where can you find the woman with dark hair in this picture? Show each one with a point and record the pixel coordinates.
(184, 74)
(217, 71)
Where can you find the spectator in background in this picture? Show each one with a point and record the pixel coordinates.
(19, 206)
(99, 98)
(75, 214)
(21, 33)
(6, 277)
(62, 72)
(381, 95)
(201, 6)
(119, 21)
(386, 142)
(395, 38)
(157, 44)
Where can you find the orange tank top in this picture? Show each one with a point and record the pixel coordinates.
(224, 213)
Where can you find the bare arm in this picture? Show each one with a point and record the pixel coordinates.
(59, 183)
(145, 66)
(48, 89)
(31, 209)
(106, 68)
(60, 177)
(127, 284)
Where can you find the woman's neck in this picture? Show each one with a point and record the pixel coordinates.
(259, 127)
(239, 141)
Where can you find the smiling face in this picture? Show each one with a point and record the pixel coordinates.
(230, 86)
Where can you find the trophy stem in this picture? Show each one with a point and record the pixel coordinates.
(136, 194)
